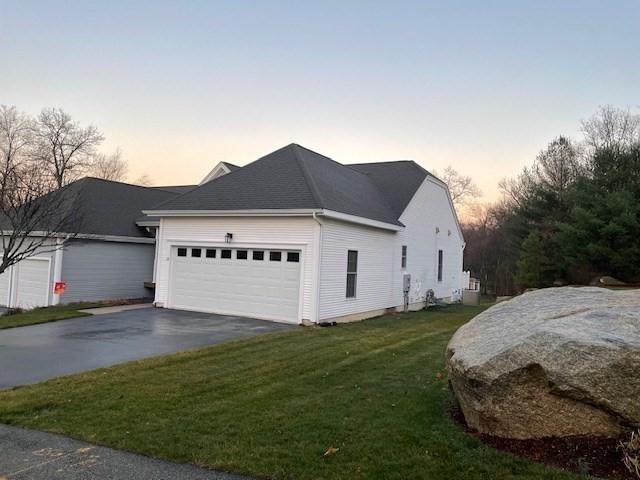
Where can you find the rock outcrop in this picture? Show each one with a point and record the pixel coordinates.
(552, 362)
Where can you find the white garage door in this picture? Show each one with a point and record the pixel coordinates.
(252, 283)
(5, 279)
(32, 283)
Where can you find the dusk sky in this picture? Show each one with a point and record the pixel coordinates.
(179, 86)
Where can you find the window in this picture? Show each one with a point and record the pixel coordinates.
(196, 252)
(258, 255)
(404, 256)
(293, 257)
(352, 272)
(182, 252)
(225, 253)
(275, 256)
(241, 254)
(439, 265)
(211, 253)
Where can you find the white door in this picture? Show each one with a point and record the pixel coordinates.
(258, 283)
(5, 281)
(32, 283)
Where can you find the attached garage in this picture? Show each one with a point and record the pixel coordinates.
(259, 283)
(27, 284)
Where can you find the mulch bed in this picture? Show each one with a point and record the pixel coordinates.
(596, 456)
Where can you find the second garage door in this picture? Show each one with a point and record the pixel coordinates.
(247, 282)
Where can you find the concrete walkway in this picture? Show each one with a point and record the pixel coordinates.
(33, 455)
(115, 308)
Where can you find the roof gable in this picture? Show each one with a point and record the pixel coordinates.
(222, 168)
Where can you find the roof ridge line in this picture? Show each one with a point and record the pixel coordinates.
(308, 178)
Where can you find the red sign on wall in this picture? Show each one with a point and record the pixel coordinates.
(59, 287)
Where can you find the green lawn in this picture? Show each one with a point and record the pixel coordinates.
(45, 314)
(271, 406)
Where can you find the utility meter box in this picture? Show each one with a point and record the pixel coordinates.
(406, 283)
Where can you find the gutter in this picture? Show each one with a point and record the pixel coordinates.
(345, 217)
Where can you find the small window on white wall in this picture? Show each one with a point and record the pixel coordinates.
(404, 256)
(440, 260)
(352, 272)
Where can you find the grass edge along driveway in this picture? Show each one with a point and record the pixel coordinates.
(272, 405)
(46, 314)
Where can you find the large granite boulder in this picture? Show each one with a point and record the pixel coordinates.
(552, 362)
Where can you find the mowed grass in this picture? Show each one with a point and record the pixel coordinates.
(45, 315)
(271, 406)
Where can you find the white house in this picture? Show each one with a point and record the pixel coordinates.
(297, 237)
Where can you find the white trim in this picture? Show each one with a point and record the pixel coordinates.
(90, 236)
(266, 212)
(218, 171)
(57, 270)
(148, 223)
(361, 220)
(276, 213)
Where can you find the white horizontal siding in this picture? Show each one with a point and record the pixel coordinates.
(430, 225)
(299, 233)
(380, 271)
(375, 266)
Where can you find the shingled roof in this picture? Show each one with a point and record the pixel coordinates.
(105, 207)
(295, 177)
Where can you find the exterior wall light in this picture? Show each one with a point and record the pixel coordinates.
(228, 237)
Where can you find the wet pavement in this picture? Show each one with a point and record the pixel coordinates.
(40, 352)
(28, 454)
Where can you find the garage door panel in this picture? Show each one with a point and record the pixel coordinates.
(32, 283)
(259, 288)
(5, 278)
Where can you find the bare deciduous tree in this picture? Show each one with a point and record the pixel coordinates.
(65, 148)
(144, 180)
(33, 212)
(461, 187)
(611, 128)
(110, 167)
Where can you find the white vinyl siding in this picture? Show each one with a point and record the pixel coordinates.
(430, 226)
(375, 264)
(380, 257)
(250, 233)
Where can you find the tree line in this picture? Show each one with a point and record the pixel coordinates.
(570, 217)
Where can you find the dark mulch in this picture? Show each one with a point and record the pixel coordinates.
(596, 456)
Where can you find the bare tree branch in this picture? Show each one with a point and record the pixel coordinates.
(461, 187)
(110, 167)
(63, 147)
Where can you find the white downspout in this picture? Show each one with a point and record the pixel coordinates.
(318, 269)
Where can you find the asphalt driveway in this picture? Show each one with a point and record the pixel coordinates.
(40, 352)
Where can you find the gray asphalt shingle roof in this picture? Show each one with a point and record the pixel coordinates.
(111, 208)
(294, 177)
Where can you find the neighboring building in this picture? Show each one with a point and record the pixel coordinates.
(297, 237)
(110, 257)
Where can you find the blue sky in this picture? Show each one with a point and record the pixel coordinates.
(481, 85)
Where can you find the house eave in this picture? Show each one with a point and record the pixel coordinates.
(91, 236)
(277, 213)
